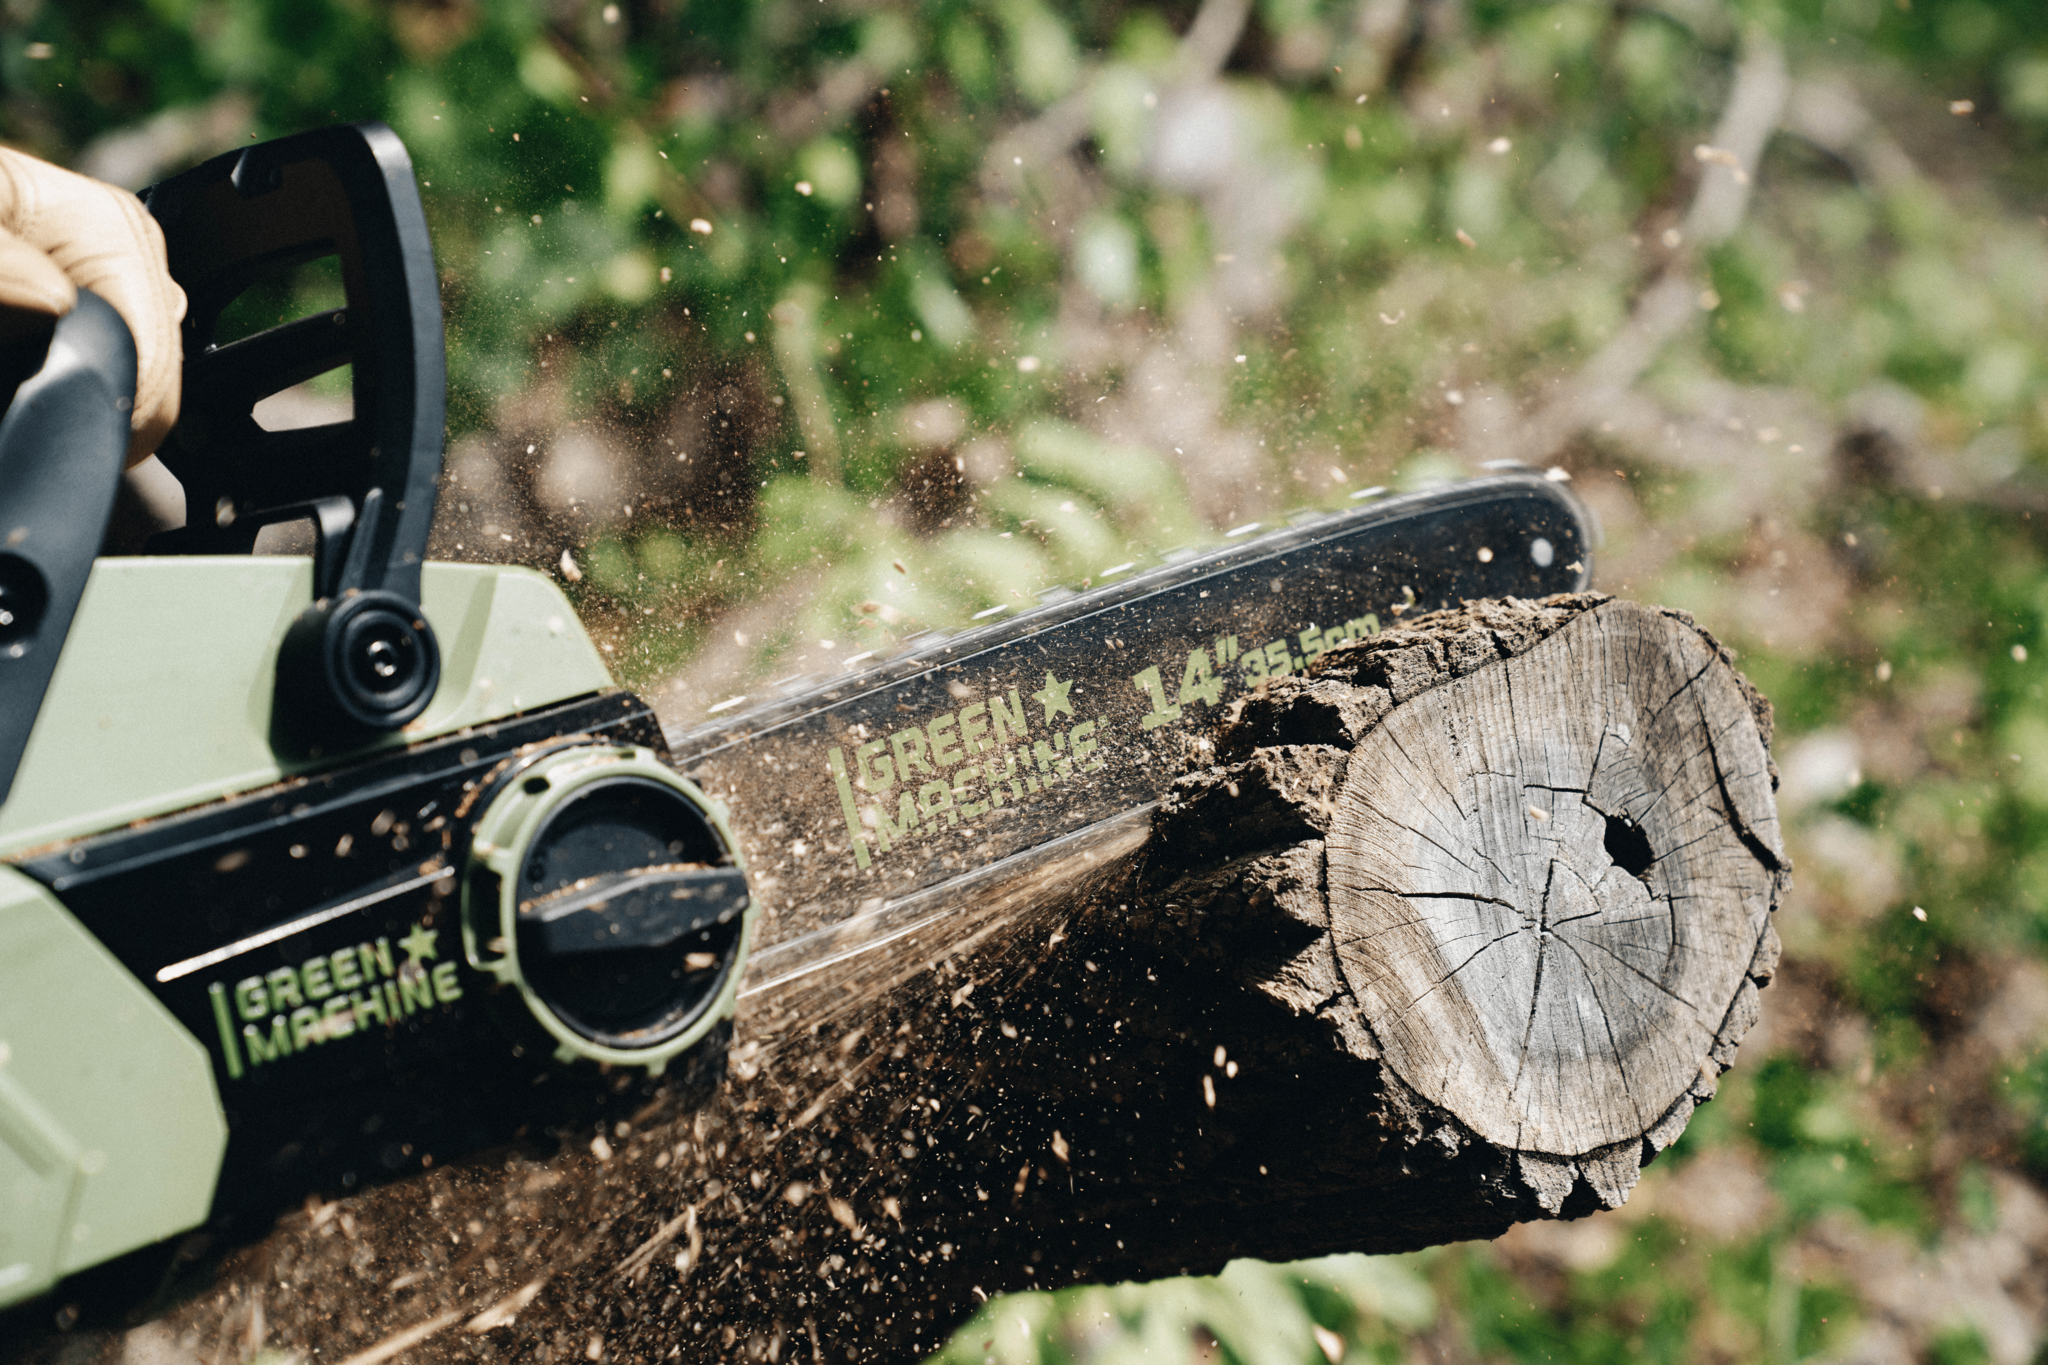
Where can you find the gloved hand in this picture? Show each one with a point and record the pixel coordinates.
(60, 231)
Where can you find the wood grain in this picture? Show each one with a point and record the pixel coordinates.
(1514, 972)
(1539, 846)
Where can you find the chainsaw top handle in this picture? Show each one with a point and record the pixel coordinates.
(362, 657)
(63, 441)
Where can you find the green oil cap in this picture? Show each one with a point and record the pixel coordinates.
(606, 890)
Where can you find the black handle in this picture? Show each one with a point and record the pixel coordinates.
(63, 444)
(362, 657)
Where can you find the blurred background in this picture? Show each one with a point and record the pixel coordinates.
(782, 331)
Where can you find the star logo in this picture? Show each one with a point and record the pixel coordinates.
(420, 944)
(1053, 696)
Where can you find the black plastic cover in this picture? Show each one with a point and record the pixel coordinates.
(627, 924)
(345, 192)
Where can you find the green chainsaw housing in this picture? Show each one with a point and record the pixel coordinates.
(114, 1104)
(313, 870)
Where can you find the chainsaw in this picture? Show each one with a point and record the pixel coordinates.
(318, 870)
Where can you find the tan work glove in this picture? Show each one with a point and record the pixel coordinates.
(60, 231)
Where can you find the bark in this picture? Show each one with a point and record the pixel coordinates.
(1454, 932)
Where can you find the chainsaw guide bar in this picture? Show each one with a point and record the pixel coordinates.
(865, 803)
(317, 871)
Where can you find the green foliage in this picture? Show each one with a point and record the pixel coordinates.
(1959, 1346)
(2024, 1090)
(1654, 1302)
(1254, 1314)
(876, 396)
(1825, 1159)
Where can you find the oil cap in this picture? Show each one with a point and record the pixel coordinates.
(605, 891)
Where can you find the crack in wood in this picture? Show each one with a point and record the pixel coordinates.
(1450, 814)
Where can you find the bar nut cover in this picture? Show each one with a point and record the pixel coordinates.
(358, 661)
(606, 891)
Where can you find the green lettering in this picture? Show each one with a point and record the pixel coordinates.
(836, 761)
(250, 998)
(375, 959)
(887, 831)
(446, 988)
(392, 1007)
(306, 1028)
(337, 1018)
(1085, 744)
(284, 989)
(366, 1005)
(1149, 684)
(415, 988)
(1009, 719)
(876, 774)
(936, 798)
(218, 995)
(262, 1049)
(973, 725)
(997, 771)
(313, 971)
(911, 752)
(945, 743)
(965, 799)
(343, 963)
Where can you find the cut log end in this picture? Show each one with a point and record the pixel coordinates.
(1523, 859)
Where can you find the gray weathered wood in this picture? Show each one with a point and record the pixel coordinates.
(1539, 849)
(1559, 1001)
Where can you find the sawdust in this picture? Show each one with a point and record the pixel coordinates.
(662, 1231)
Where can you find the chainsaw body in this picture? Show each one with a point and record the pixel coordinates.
(313, 870)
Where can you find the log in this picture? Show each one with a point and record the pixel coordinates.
(1536, 854)
(1453, 932)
